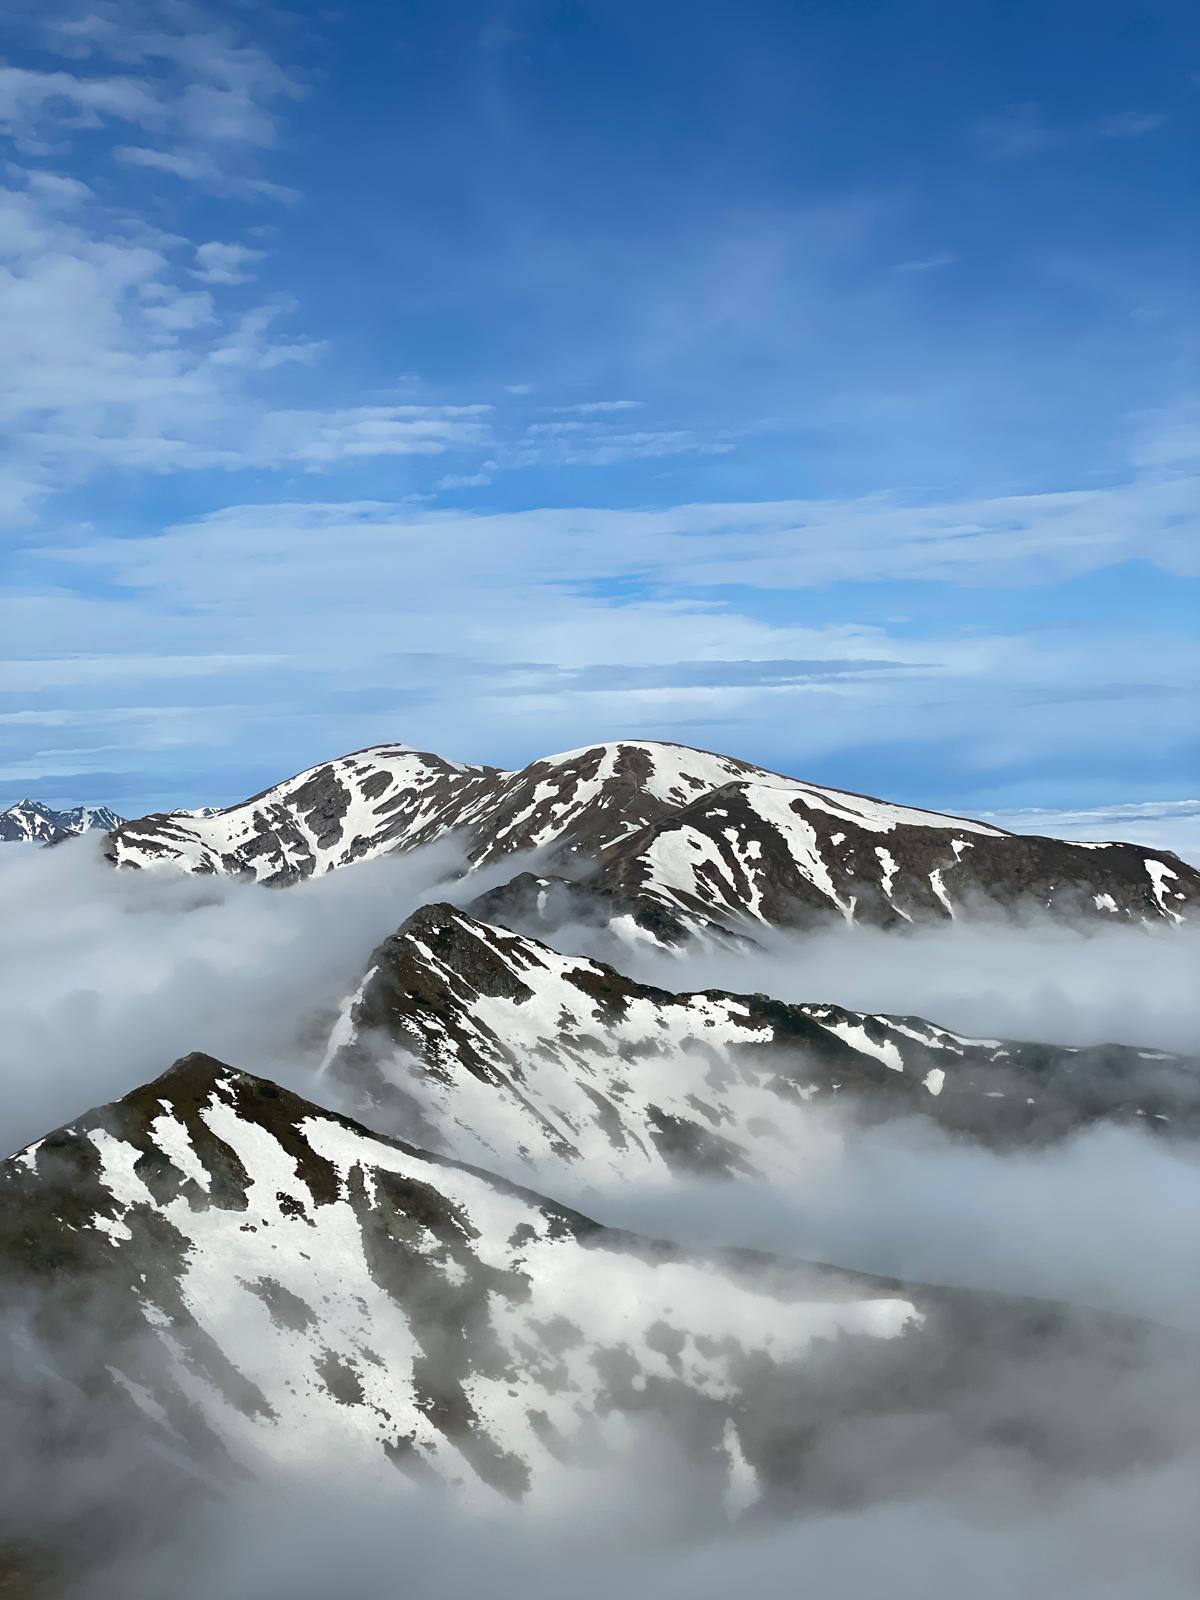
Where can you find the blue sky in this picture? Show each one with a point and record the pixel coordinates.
(814, 382)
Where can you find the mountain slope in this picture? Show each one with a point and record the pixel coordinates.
(363, 805)
(31, 822)
(293, 1277)
(254, 1282)
(682, 841)
(752, 854)
(500, 1048)
(393, 798)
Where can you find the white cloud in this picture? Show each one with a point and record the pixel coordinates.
(114, 358)
(29, 99)
(318, 439)
(186, 77)
(1130, 124)
(583, 444)
(225, 263)
(506, 634)
(205, 170)
(467, 480)
(47, 672)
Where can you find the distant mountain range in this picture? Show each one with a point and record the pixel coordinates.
(664, 842)
(31, 822)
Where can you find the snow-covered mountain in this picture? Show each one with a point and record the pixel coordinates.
(669, 842)
(392, 798)
(267, 1283)
(497, 1047)
(31, 822)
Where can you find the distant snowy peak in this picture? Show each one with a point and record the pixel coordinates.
(680, 840)
(473, 1039)
(31, 822)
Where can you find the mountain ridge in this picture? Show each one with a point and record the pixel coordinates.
(33, 822)
(489, 1040)
(674, 842)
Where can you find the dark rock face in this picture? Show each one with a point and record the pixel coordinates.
(669, 841)
(493, 1042)
(259, 1276)
(31, 822)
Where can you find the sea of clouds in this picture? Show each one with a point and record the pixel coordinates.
(107, 977)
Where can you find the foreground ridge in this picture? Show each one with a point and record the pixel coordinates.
(244, 1279)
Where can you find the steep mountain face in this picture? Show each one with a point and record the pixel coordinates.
(503, 1050)
(31, 822)
(670, 841)
(271, 1283)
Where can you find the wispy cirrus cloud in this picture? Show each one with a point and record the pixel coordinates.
(496, 635)
(592, 408)
(208, 96)
(934, 263)
(1021, 129)
(114, 359)
(31, 100)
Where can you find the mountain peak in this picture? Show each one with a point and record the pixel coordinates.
(33, 822)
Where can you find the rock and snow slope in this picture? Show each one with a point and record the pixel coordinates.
(753, 853)
(270, 1284)
(31, 822)
(301, 1284)
(670, 840)
(505, 1051)
(392, 798)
